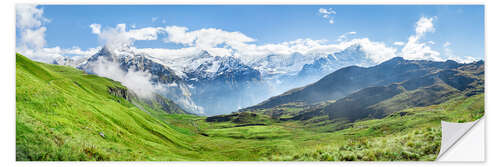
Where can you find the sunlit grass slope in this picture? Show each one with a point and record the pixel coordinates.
(65, 114)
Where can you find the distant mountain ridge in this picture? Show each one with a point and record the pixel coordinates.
(353, 78)
(352, 55)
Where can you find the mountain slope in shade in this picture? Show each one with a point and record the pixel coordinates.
(353, 78)
(380, 101)
(435, 88)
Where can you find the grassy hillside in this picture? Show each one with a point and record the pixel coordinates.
(65, 114)
(156, 102)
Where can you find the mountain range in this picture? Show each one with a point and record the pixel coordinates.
(210, 85)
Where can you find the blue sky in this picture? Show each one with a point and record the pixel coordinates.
(462, 27)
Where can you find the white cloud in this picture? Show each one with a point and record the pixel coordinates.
(344, 36)
(424, 25)
(29, 20)
(205, 38)
(31, 41)
(153, 19)
(148, 33)
(326, 11)
(49, 55)
(33, 38)
(327, 14)
(447, 51)
(398, 43)
(96, 28)
(119, 36)
(450, 55)
(417, 50)
(376, 51)
(29, 16)
(137, 81)
(80, 52)
(179, 35)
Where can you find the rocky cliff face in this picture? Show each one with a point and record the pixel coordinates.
(119, 92)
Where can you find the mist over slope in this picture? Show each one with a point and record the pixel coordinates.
(141, 74)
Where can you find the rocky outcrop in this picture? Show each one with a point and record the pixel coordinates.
(119, 92)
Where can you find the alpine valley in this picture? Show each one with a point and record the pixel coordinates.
(335, 107)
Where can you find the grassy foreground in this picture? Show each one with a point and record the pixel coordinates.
(65, 114)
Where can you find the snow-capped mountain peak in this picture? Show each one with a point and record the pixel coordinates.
(352, 55)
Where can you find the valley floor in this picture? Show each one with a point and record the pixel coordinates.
(412, 134)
